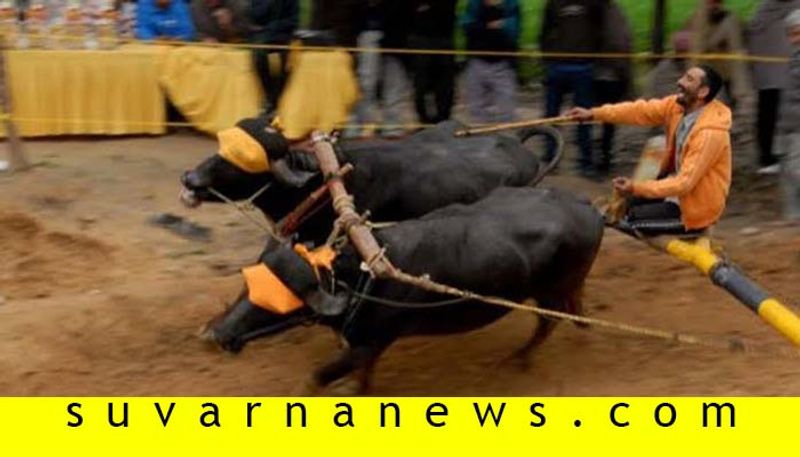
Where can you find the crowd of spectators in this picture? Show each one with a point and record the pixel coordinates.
(579, 33)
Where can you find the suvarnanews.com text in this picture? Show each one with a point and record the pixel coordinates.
(388, 414)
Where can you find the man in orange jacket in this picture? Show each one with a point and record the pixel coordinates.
(695, 176)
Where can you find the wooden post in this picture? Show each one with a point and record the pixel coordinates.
(18, 161)
(359, 233)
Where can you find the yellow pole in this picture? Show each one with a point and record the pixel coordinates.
(727, 276)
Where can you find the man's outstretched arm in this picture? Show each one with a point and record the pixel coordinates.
(644, 113)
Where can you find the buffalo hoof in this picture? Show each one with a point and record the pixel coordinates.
(519, 360)
(213, 342)
(308, 389)
(348, 386)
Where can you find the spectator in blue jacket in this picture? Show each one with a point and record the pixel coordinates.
(491, 81)
(164, 20)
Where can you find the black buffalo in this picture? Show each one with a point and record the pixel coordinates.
(393, 180)
(517, 243)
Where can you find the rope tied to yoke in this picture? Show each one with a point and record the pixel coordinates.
(343, 203)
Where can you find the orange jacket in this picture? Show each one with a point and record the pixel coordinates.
(704, 178)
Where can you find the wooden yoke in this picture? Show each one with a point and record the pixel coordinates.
(359, 234)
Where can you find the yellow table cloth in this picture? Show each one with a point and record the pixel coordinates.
(212, 87)
(321, 91)
(80, 92)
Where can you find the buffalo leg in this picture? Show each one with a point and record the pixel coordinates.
(544, 327)
(575, 306)
(365, 377)
(353, 359)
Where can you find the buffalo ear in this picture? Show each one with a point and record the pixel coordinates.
(284, 174)
(326, 304)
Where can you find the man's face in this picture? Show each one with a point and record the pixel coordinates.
(691, 87)
(794, 35)
(163, 4)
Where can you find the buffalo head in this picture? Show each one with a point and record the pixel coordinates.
(281, 292)
(251, 155)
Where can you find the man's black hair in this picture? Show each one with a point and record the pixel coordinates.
(712, 80)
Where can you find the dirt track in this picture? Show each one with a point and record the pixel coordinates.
(95, 301)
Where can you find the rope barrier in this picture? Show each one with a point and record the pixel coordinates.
(419, 51)
(410, 126)
(23, 120)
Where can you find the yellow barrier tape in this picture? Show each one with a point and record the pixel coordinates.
(452, 52)
(23, 120)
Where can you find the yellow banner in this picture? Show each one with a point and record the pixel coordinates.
(397, 426)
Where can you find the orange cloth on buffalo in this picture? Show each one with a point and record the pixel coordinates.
(704, 179)
(268, 291)
(321, 90)
(85, 92)
(323, 257)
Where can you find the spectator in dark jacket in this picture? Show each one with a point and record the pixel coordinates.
(395, 82)
(788, 129)
(491, 81)
(223, 21)
(767, 37)
(343, 18)
(274, 22)
(369, 68)
(572, 26)
(432, 27)
(613, 77)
